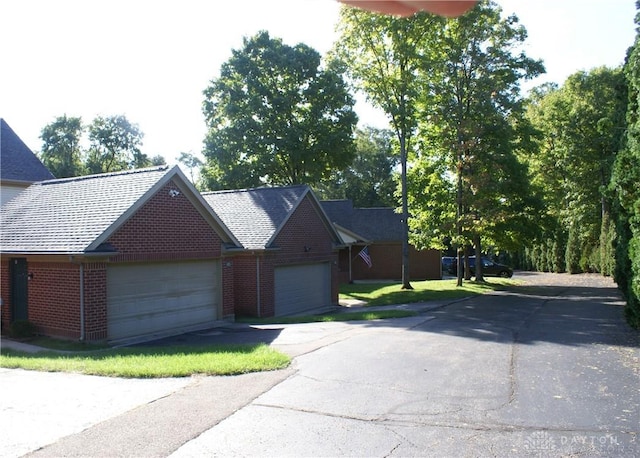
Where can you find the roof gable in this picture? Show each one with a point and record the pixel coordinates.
(75, 215)
(256, 216)
(373, 224)
(17, 161)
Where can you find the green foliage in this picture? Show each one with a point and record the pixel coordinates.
(624, 184)
(61, 151)
(633, 298)
(370, 179)
(580, 127)
(384, 55)
(432, 197)
(472, 127)
(114, 145)
(573, 253)
(191, 162)
(276, 117)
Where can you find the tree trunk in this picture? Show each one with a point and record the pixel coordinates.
(477, 242)
(459, 216)
(467, 268)
(405, 217)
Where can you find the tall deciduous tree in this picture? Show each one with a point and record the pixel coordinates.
(370, 180)
(61, 150)
(115, 145)
(383, 55)
(471, 115)
(275, 116)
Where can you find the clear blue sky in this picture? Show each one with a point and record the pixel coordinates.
(151, 60)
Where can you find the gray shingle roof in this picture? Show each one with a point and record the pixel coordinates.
(17, 161)
(68, 215)
(254, 216)
(380, 224)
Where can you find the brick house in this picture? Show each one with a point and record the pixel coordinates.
(381, 231)
(115, 256)
(289, 262)
(19, 167)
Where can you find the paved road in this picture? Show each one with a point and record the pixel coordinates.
(549, 370)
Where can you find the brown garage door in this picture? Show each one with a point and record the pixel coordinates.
(302, 287)
(161, 298)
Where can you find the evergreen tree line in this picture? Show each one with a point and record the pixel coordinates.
(587, 160)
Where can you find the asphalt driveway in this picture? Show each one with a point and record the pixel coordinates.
(551, 370)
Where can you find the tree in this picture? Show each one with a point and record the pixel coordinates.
(276, 117)
(383, 54)
(158, 159)
(61, 151)
(115, 145)
(624, 184)
(369, 181)
(432, 197)
(191, 162)
(471, 116)
(581, 125)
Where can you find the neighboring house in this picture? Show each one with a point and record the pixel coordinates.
(19, 167)
(115, 257)
(381, 231)
(290, 260)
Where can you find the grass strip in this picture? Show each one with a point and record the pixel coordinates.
(375, 294)
(153, 362)
(365, 315)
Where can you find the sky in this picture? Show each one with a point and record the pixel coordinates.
(150, 60)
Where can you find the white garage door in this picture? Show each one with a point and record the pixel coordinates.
(160, 298)
(302, 287)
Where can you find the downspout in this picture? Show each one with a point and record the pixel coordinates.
(82, 330)
(258, 285)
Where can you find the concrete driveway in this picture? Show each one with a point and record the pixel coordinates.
(552, 370)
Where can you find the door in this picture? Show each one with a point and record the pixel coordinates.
(302, 287)
(161, 298)
(19, 289)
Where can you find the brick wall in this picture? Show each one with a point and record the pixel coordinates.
(166, 228)
(54, 298)
(228, 288)
(95, 300)
(303, 240)
(386, 259)
(245, 285)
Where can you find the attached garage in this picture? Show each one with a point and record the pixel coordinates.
(159, 298)
(299, 288)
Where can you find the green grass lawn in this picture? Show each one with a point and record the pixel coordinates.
(153, 362)
(388, 294)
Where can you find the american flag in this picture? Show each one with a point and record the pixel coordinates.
(364, 254)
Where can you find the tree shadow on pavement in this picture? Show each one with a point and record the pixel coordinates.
(563, 314)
